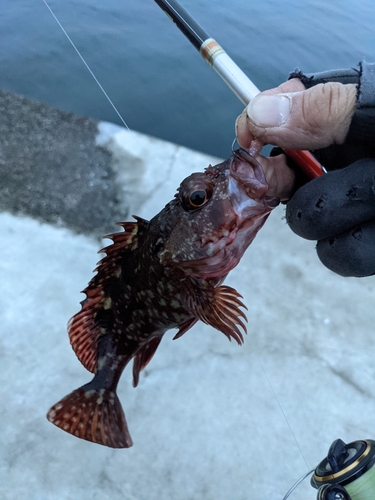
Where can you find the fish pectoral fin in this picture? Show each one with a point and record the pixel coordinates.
(143, 357)
(93, 415)
(220, 308)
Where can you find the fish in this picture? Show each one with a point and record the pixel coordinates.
(157, 275)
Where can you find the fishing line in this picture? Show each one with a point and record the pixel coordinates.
(87, 66)
(289, 492)
(363, 488)
(285, 417)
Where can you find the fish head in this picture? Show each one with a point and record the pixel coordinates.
(218, 212)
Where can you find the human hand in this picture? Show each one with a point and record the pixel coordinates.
(292, 117)
(338, 209)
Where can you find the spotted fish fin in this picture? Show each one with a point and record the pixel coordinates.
(185, 327)
(94, 415)
(89, 324)
(143, 357)
(220, 308)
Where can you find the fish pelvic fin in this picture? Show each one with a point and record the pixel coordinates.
(93, 415)
(220, 308)
(94, 319)
(143, 357)
(184, 327)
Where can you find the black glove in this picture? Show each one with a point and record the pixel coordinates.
(338, 208)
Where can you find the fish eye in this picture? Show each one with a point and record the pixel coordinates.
(197, 198)
(195, 192)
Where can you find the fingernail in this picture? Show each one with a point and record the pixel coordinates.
(269, 110)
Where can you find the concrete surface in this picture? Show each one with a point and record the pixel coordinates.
(51, 168)
(210, 420)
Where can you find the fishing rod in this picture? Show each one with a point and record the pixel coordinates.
(228, 70)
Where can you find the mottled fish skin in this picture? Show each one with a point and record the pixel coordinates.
(158, 275)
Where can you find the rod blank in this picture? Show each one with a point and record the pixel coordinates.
(228, 70)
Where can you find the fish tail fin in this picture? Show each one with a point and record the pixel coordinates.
(94, 415)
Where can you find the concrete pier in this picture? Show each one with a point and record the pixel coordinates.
(210, 420)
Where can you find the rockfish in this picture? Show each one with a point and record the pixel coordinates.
(161, 274)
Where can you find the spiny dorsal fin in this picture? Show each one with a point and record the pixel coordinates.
(220, 308)
(84, 331)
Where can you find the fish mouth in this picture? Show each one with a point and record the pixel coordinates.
(249, 208)
(248, 186)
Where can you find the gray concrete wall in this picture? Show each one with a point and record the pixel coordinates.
(209, 419)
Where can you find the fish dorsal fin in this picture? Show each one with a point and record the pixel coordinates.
(84, 328)
(220, 308)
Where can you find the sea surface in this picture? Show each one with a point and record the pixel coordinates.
(157, 80)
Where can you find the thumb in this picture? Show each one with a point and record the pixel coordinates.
(309, 119)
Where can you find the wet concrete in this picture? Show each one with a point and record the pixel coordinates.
(52, 169)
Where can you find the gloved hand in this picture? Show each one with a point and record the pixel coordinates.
(337, 121)
(338, 210)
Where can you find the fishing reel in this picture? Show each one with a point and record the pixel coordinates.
(347, 473)
(333, 492)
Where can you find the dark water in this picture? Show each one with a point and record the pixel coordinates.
(155, 77)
